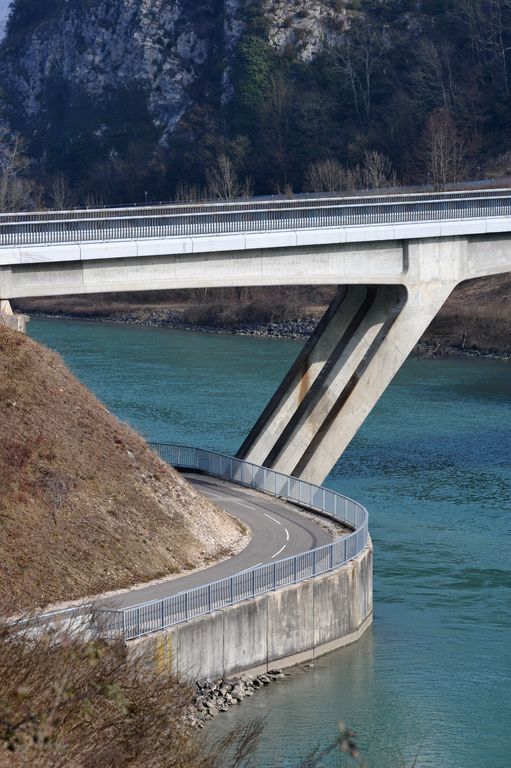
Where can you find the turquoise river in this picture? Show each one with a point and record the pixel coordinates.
(433, 465)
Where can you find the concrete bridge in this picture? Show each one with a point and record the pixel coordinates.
(396, 260)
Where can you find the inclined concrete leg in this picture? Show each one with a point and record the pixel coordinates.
(8, 318)
(332, 389)
(302, 373)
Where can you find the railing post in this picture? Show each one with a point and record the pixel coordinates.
(133, 627)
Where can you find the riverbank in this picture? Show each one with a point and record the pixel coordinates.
(431, 346)
(474, 322)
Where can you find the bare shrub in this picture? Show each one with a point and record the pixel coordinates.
(444, 151)
(223, 182)
(189, 193)
(68, 702)
(328, 176)
(377, 171)
(15, 190)
(60, 193)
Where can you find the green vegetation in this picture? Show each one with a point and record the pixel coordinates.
(416, 83)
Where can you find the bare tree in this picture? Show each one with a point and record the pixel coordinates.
(434, 79)
(444, 150)
(189, 193)
(377, 171)
(489, 28)
(14, 189)
(61, 195)
(277, 109)
(328, 176)
(359, 57)
(93, 200)
(223, 182)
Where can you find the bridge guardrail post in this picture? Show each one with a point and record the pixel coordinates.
(188, 604)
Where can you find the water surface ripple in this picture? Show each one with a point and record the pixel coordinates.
(433, 465)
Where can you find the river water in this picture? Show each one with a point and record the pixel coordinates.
(433, 465)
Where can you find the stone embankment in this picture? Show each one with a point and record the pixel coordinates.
(299, 328)
(215, 696)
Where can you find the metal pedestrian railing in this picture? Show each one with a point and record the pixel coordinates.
(156, 615)
(245, 217)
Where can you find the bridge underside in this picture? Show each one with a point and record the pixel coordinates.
(391, 292)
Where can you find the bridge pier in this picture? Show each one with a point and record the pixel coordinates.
(12, 320)
(359, 345)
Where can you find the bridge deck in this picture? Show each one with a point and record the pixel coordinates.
(240, 224)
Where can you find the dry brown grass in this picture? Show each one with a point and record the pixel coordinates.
(85, 507)
(477, 316)
(69, 703)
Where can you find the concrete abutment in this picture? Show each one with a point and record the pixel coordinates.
(14, 321)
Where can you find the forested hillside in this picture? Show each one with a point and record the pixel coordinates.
(115, 99)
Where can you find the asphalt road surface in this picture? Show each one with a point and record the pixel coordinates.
(278, 531)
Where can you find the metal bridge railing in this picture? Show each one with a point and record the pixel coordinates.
(244, 217)
(156, 615)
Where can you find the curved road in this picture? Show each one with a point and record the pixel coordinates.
(277, 532)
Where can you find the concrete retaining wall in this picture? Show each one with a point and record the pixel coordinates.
(278, 629)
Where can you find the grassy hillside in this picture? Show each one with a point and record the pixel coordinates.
(84, 505)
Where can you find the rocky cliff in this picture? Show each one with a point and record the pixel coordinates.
(167, 48)
(145, 94)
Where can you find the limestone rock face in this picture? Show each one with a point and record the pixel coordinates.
(166, 48)
(306, 27)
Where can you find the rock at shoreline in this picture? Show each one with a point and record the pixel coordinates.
(215, 696)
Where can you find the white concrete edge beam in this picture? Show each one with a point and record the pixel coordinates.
(112, 249)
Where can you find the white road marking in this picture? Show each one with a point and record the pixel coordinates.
(287, 534)
(229, 498)
(272, 518)
(278, 553)
(234, 501)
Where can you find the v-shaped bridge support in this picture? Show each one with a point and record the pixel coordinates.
(359, 345)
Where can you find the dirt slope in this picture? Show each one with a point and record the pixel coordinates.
(84, 506)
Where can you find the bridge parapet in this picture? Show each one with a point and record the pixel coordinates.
(242, 217)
